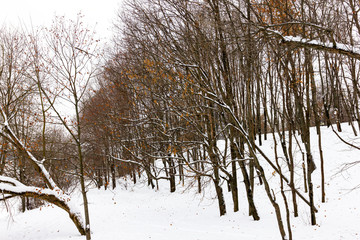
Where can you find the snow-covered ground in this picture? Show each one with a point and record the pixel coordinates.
(138, 212)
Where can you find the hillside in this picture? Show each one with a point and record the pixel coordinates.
(138, 212)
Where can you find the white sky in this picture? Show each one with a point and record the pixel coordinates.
(98, 13)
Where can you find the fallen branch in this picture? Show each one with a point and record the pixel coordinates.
(52, 194)
(55, 196)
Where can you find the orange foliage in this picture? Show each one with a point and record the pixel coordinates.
(278, 12)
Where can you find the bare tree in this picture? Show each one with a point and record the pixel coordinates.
(72, 58)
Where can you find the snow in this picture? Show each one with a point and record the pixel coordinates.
(340, 46)
(138, 212)
(346, 49)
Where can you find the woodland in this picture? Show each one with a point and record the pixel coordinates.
(187, 93)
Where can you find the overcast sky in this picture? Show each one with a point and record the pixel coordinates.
(41, 12)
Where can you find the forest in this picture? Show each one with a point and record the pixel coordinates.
(188, 92)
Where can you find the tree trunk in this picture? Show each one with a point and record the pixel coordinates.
(219, 192)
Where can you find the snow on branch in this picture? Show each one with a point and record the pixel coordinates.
(333, 47)
(8, 133)
(14, 187)
(10, 187)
